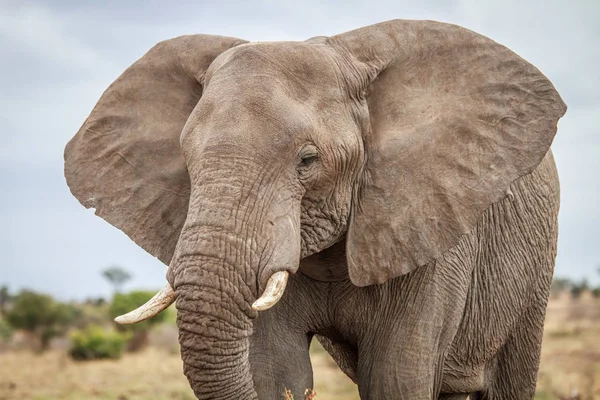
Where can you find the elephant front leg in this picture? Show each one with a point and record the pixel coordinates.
(401, 352)
(400, 369)
(279, 358)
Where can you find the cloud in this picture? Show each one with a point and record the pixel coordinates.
(50, 81)
(58, 57)
(38, 32)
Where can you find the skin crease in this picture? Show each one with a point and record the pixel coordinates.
(397, 172)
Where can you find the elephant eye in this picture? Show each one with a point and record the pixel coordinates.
(308, 159)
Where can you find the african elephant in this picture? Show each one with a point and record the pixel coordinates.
(400, 175)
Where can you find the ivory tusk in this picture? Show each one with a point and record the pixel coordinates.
(273, 292)
(161, 300)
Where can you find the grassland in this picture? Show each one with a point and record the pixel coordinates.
(570, 367)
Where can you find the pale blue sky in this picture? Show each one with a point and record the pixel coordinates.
(57, 57)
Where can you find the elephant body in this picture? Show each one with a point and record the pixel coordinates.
(397, 178)
(470, 323)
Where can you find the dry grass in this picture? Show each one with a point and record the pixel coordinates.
(570, 367)
(54, 376)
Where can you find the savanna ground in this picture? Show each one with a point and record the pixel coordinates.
(570, 367)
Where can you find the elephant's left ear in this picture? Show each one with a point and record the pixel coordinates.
(455, 118)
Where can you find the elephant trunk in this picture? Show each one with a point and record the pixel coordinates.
(227, 252)
(214, 320)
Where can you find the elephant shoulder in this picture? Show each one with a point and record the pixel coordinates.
(541, 185)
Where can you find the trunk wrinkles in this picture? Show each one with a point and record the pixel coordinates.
(214, 278)
(214, 320)
(215, 274)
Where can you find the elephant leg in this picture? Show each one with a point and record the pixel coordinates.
(279, 345)
(404, 364)
(342, 353)
(403, 375)
(517, 363)
(279, 359)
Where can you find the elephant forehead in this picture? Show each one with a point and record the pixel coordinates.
(294, 64)
(258, 91)
(249, 114)
(284, 85)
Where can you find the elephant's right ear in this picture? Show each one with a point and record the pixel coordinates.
(126, 160)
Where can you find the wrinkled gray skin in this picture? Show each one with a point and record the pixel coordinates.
(469, 323)
(401, 172)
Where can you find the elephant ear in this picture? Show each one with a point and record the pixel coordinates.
(126, 160)
(455, 118)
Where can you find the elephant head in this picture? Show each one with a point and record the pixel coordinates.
(231, 161)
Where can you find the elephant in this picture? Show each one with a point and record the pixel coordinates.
(389, 190)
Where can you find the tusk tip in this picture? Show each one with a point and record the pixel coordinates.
(273, 292)
(259, 305)
(129, 318)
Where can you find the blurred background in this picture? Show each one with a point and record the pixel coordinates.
(65, 272)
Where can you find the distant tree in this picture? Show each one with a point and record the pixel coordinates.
(95, 301)
(596, 290)
(41, 315)
(4, 299)
(117, 277)
(560, 285)
(122, 304)
(578, 288)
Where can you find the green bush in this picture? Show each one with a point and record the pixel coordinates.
(6, 331)
(95, 342)
(41, 315)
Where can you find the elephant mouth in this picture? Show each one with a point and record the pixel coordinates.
(164, 298)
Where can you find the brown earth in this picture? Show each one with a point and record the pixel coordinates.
(570, 367)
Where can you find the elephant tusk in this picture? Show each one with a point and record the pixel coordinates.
(154, 306)
(275, 288)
